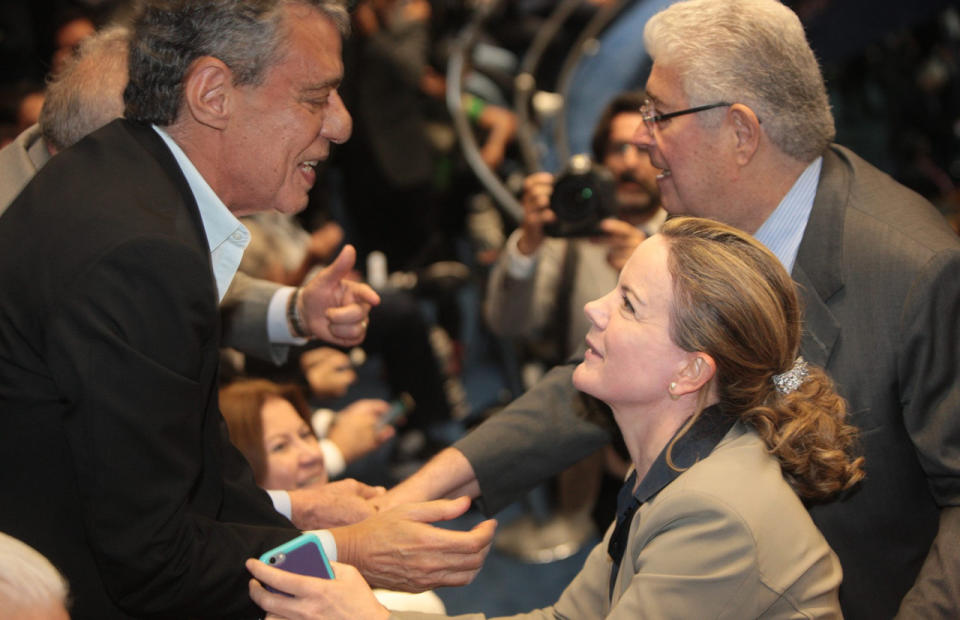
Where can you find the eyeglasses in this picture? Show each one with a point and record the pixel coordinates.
(651, 117)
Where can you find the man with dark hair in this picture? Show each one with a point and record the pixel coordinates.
(117, 463)
(739, 125)
(85, 94)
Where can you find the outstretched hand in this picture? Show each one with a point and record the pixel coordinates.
(398, 549)
(335, 308)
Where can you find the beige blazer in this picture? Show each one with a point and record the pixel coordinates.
(728, 538)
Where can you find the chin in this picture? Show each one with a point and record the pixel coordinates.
(292, 208)
(634, 203)
(581, 378)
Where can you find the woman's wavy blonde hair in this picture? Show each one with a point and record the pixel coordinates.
(734, 301)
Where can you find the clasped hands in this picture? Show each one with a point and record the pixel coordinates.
(397, 549)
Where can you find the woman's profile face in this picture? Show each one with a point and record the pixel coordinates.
(630, 358)
(294, 458)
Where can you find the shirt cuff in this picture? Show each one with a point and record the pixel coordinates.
(332, 458)
(278, 331)
(328, 542)
(281, 502)
(322, 420)
(519, 266)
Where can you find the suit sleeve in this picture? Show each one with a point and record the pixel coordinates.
(929, 369)
(538, 435)
(132, 348)
(244, 314)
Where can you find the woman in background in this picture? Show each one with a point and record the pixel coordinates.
(271, 425)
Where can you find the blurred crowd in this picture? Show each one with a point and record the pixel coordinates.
(465, 281)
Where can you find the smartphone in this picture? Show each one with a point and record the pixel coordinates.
(303, 555)
(398, 408)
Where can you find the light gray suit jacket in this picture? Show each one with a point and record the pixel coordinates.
(244, 308)
(728, 538)
(879, 271)
(527, 309)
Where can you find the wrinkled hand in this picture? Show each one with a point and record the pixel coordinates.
(356, 429)
(536, 210)
(334, 504)
(328, 371)
(346, 597)
(399, 550)
(622, 238)
(337, 309)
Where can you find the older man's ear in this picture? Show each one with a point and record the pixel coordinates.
(208, 87)
(746, 129)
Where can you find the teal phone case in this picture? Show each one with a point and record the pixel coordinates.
(303, 555)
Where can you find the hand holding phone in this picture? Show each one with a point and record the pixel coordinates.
(303, 555)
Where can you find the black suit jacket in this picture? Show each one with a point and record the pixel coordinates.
(879, 272)
(115, 460)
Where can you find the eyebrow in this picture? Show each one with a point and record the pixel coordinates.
(652, 97)
(331, 83)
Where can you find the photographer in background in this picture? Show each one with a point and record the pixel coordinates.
(542, 280)
(540, 283)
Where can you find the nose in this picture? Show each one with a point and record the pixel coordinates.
(310, 453)
(596, 312)
(337, 123)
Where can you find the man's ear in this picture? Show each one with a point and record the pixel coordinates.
(698, 370)
(208, 87)
(746, 128)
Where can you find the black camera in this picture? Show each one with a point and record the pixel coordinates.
(583, 194)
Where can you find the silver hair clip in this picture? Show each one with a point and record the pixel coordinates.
(792, 379)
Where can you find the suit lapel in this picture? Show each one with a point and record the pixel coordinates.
(820, 328)
(818, 269)
(153, 144)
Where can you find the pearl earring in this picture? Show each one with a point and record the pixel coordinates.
(673, 386)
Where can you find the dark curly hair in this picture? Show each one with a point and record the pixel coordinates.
(168, 35)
